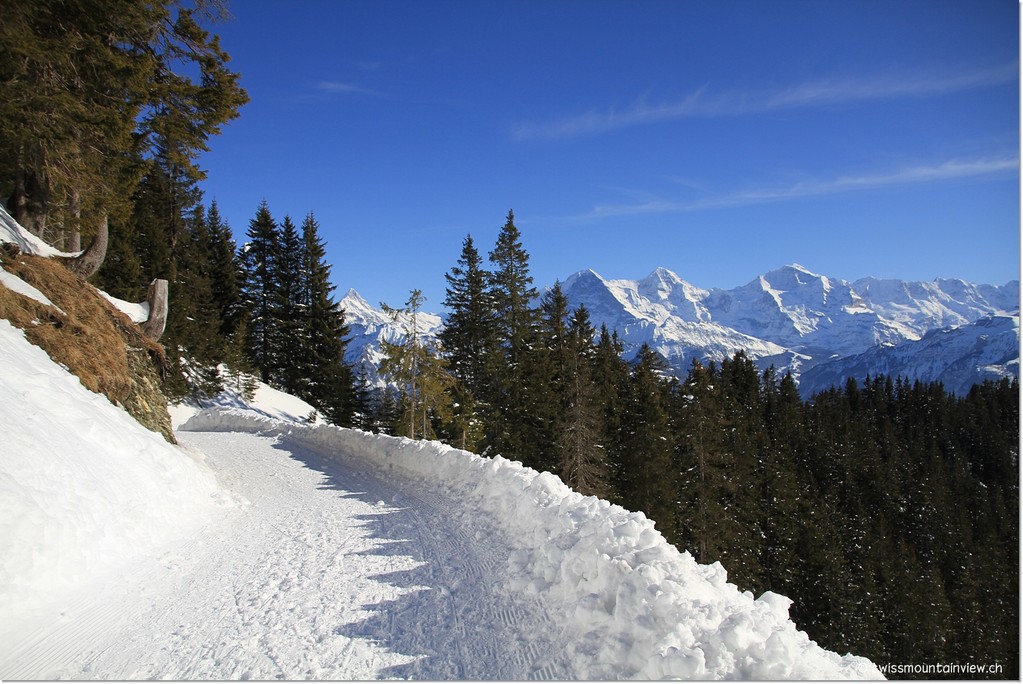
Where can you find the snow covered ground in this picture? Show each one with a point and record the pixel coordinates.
(336, 554)
(271, 547)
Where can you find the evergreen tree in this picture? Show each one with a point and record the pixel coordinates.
(367, 398)
(610, 378)
(291, 307)
(74, 80)
(583, 462)
(545, 371)
(745, 443)
(224, 272)
(192, 338)
(157, 215)
(703, 464)
(512, 291)
(469, 335)
(260, 292)
(647, 481)
(89, 92)
(512, 294)
(121, 274)
(327, 382)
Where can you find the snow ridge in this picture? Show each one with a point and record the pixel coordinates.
(634, 605)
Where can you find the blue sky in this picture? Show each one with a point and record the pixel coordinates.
(717, 139)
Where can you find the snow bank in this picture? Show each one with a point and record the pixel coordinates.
(83, 487)
(634, 605)
(11, 231)
(138, 312)
(266, 402)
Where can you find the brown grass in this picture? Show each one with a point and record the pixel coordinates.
(89, 338)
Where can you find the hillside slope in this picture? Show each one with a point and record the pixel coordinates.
(329, 553)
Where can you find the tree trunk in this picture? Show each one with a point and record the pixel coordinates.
(76, 221)
(157, 298)
(91, 259)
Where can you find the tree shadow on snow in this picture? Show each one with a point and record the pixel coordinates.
(437, 619)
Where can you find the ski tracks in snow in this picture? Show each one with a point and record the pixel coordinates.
(323, 571)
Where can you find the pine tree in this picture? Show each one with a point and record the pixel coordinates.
(74, 80)
(259, 258)
(155, 217)
(327, 381)
(121, 274)
(745, 442)
(544, 370)
(512, 291)
(469, 336)
(583, 462)
(290, 329)
(512, 294)
(610, 378)
(193, 320)
(648, 480)
(90, 90)
(703, 464)
(225, 272)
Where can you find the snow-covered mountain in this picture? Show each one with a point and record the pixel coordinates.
(958, 357)
(370, 326)
(663, 311)
(791, 318)
(804, 312)
(795, 319)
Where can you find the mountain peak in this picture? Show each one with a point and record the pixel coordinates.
(662, 273)
(355, 299)
(585, 274)
(791, 278)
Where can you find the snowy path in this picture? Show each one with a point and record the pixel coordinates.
(324, 571)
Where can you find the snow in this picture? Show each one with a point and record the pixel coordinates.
(958, 357)
(137, 312)
(266, 401)
(631, 604)
(12, 232)
(83, 487)
(327, 553)
(16, 284)
(790, 317)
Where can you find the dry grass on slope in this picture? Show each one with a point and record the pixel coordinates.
(89, 337)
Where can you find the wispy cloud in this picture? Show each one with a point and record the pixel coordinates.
(705, 103)
(949, 170)
(337, 87)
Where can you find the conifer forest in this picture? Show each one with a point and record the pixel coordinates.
(887, 510)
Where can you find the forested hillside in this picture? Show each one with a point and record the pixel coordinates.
(887, 511)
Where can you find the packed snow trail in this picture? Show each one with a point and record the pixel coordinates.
(324, 572)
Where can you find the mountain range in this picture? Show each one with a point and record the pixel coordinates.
(822, 329)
